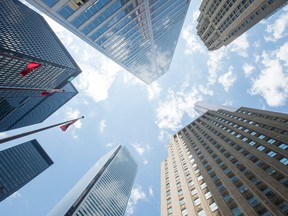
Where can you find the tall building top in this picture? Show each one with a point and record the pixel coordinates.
(139, 35)
(203, 107)
(105, 188)
(221, 22)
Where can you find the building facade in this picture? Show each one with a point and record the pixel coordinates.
(139, 35)
(21, 164)
(31, 55)
(17, 111)
(221, 22)
(228, 163)
(104, 189)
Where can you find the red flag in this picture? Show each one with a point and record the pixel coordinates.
(44, 93)
(65, 126)
(30, 67)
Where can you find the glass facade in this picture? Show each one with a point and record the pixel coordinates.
(19, 165)
(140, 35)
(105, 188)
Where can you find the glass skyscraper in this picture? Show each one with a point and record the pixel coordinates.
(104, 190)
(22, 111)
(140, 35)
(26, 38)
(31, 56)
(19, 165)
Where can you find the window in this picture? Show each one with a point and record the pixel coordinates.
(168, 201)
(261, 148)
(184, 212)
(208, 195)
(244, 139)
(261, 136)
(190, 183)
(204, 185)
(271, 153)
(213, 207)
(236, 211)
(253, 201)
(284, 160)
(283, 146)
(227, 198)
(220, 187)
(168, 193)
(284, 207)
(200, 178)
(197, 201)
(242, 188)
(201, 213)
(179, 184)
(255, 180)
(193, 191)
(167, 185)
(169, 210)
(270, 171)
(268, 192)
(180, 192)
(251, 143)
(271, 141)
(234, 179)
(181, 201)
(253, 133)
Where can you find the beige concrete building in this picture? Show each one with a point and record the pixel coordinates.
(222, 21)
(228, 163)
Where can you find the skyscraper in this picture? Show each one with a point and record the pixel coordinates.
(31, 55)
(221, 22)
(104, 189)
(22, 111)
(228, 163)
(141, 36)
(19, 165)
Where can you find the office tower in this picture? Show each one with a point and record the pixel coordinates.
(139, 35)
(228, 163)
(221, 22)
(31, 55)
(17, 112)
(19, 165)
(104, 189)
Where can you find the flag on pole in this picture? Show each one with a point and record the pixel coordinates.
(30, 67)
(45, 92)
(65, 126)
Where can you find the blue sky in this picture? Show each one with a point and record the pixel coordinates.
(120, 109)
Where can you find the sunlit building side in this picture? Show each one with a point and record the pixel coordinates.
(104, 189)
(221, 22)
(139, 35)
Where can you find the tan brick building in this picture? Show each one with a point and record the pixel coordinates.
(222, 21)
(228, 163)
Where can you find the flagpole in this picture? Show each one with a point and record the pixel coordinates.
(5, 88)
(34, 131)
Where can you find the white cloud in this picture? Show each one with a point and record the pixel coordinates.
(16, 195)
(102, 125)
(151, 192)
(193, 43)
(109, 144)
(136, 195)
(164, 136)
(276, 30)
(248, 69)
(227, 79)
(145, 162)
(73, 114)
(138, 148)
(272, 83)
(171, 110)
(153, 91)
(214, 64)
(240, 45)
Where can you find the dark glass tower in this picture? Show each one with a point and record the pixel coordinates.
(140, 35)
(26, 40)
(25, 37)
(19, 165)
(18, 112)
(104, 189)
(228, 163)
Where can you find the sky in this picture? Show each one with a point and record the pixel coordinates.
(120, 109)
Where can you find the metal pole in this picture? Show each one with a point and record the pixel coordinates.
(34, 131)
(29, 89)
